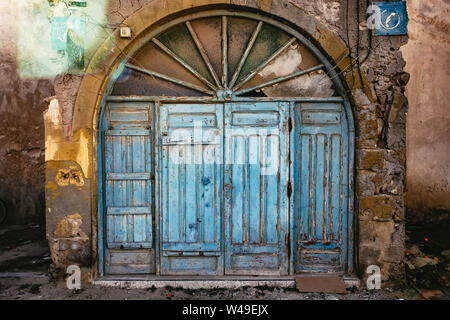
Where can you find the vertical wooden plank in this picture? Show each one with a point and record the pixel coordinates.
(254, 189)
(320, 186)
(110, 227)
(208, 184)
(281, 147)
(173, 200)
(129, 154)
(246, 193)
(272, 195)
(264, 154)
(335, 186)
(109, 151)
(123, 153)
(294, 164)
(182, 227)
(109, 193)
(130, 227)
(238, 196)
(128, 196)
(120, 234)
(148, 185)
(139, 227)
(219, 185)
(306, 195)
(139, 155)
(191, 188)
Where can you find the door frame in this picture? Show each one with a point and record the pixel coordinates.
(156, 102)
(95, 90)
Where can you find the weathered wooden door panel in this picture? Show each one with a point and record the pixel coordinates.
(320, 164)
(191, 189)
(129, 212)
(256, 177)
(128, 185)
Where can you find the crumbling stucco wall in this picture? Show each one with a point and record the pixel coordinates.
(379, 110)
(22, 169)
(427, 58)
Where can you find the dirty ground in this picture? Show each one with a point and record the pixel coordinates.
(24, 261)
(428, 260)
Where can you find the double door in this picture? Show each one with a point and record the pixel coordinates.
(224, 176)
(256, 188)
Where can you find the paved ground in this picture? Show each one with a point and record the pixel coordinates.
(24, 261)
(40, 288)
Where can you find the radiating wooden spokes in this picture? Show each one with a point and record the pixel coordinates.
(220, 80)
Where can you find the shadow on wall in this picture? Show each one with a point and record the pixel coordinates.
(22, 164)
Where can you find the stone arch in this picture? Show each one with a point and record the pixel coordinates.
(100, 70)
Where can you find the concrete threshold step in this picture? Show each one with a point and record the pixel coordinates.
(145, 282)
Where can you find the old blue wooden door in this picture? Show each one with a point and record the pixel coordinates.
(256, 185)
(128, 185)
(250, 141)
(320, 164)
(191, 189)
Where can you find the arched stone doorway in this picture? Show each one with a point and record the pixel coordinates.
(227, 71)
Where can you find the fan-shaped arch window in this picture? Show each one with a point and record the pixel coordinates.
(238, 56)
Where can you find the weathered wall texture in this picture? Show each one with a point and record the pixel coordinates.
(427, 58)
(22, 169)
(379, 108)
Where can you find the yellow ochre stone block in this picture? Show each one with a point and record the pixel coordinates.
(78, 150)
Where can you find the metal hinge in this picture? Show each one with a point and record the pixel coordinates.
(289, 189)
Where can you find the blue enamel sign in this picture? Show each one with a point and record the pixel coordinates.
(392, 18)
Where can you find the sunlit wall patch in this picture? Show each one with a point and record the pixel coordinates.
(392, 18)
(57, 36)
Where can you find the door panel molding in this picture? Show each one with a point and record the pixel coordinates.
(191, 189)
(256, 204)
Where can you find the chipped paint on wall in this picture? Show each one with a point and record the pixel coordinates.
(284, 64)
(313, 85)
(330, 10)
(71, 176)
(69, 226)
(53, 113)
(78, 150)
